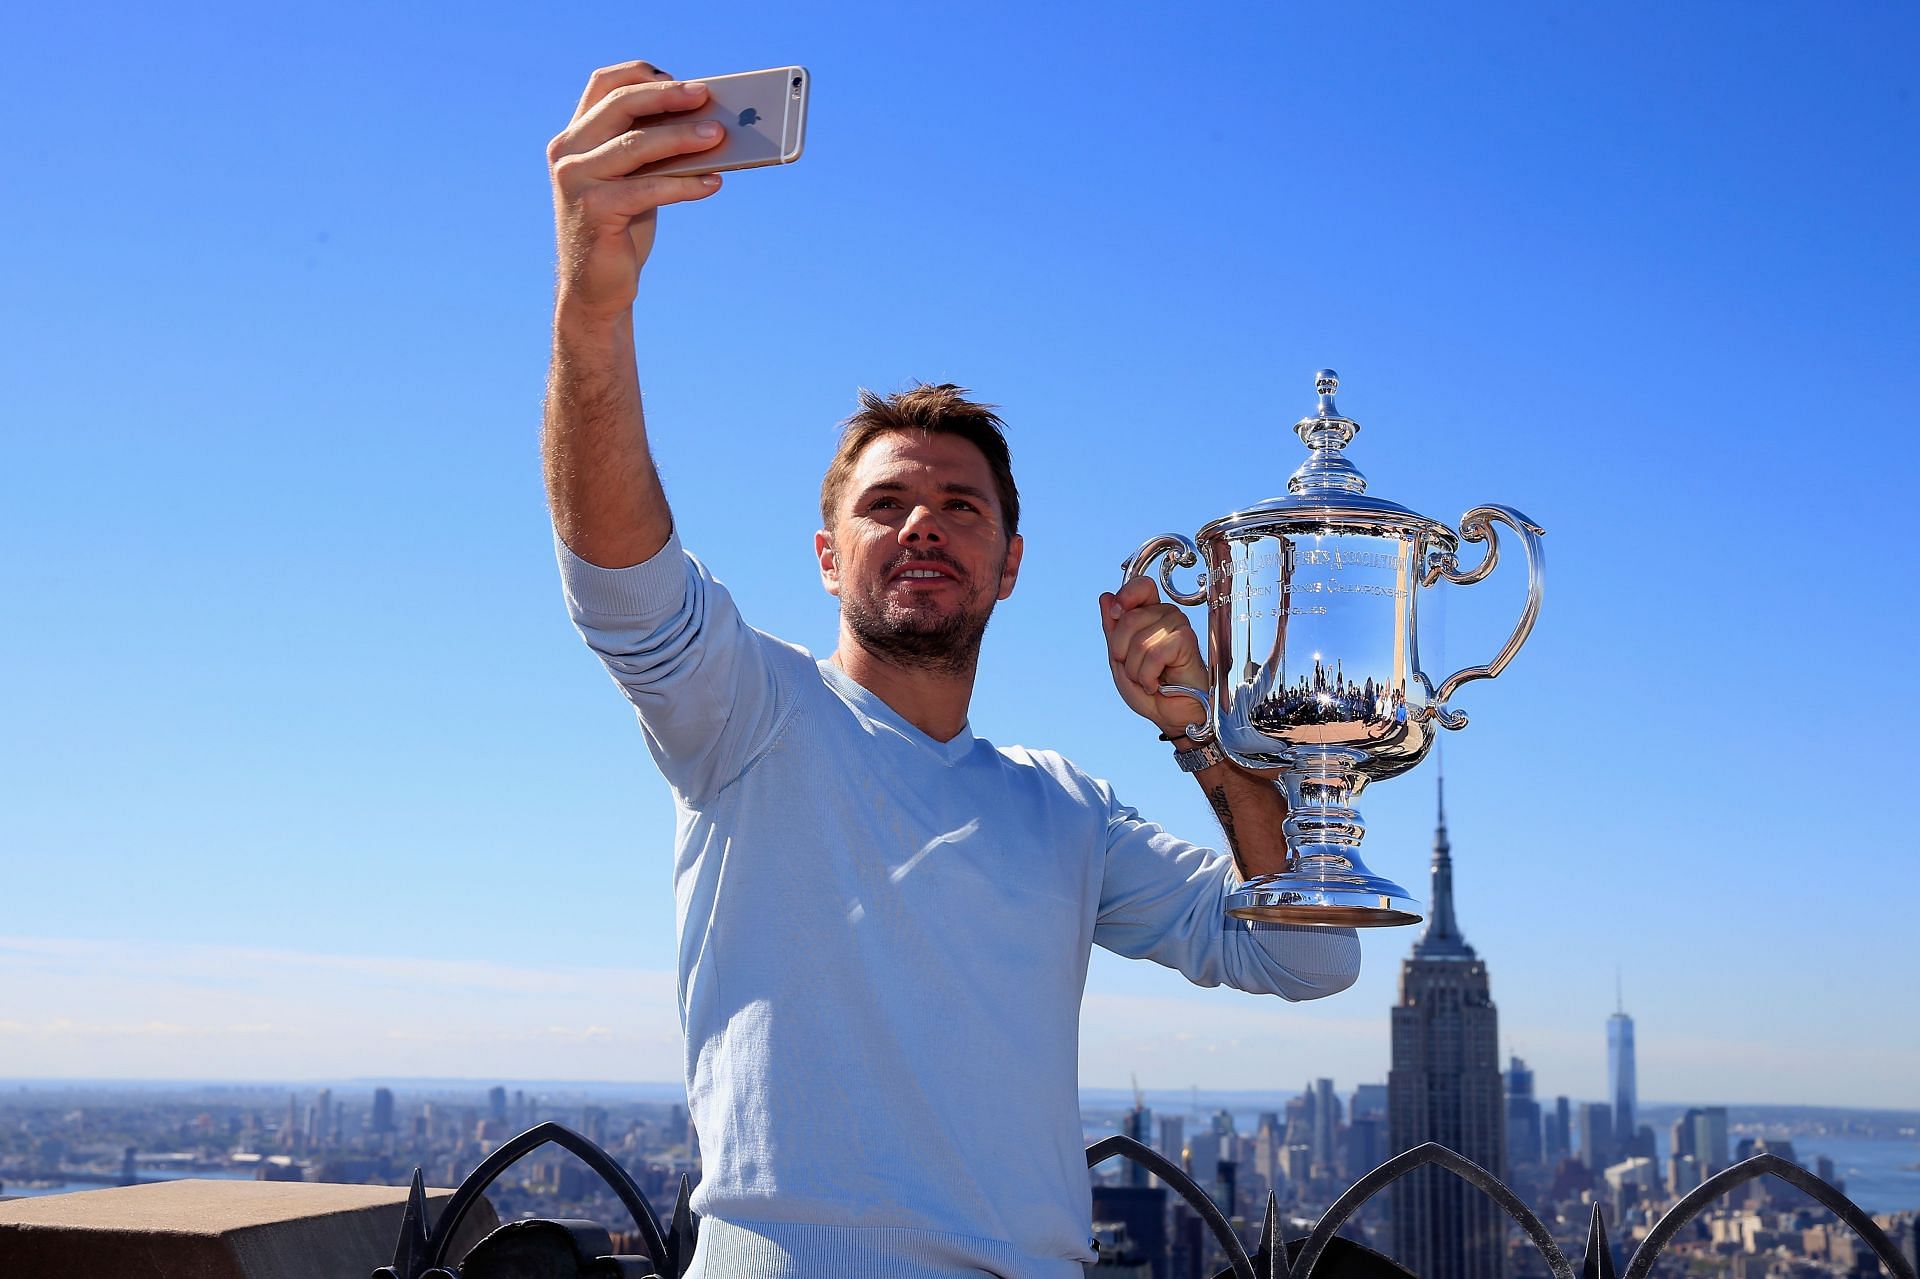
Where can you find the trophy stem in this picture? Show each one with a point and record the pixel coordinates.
(1322, 823)
(1325, 881)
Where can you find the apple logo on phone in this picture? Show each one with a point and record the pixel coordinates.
(749, 117)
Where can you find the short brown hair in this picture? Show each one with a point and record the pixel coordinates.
(930, 410)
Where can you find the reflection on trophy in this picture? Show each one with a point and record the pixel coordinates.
(1314, 659)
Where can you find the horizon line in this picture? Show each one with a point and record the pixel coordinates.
(483, 1082)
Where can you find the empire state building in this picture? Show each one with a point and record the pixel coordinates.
(1445, 1087)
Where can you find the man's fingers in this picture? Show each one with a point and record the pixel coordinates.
(630, 197)
(1147, 640)
(607, 79)
(616, 113)
(1152, 655)
(620, 156)
(1132, 691)
(1136, 592)
(1122, 634)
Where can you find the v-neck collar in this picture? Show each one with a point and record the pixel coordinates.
(869, 704)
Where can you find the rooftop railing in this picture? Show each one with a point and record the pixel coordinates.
(421, 1252)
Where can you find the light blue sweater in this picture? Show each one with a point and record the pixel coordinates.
(883, 941)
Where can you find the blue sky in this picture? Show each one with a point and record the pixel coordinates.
(306, 774)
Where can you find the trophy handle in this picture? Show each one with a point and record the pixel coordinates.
(1477, 526)
(1141, 560)
(1136, 565)
(1203, 731)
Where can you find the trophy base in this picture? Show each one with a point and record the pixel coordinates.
(1344, 900)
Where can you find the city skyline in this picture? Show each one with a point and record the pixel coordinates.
(308, 776)
(1304, 1150)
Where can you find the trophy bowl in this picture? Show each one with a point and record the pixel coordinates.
(1313, 657)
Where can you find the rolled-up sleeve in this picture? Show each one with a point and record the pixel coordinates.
(1163, 899)
(703, 682)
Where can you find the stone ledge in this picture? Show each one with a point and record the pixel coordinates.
(217, 1230)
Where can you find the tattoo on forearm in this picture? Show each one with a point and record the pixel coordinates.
(1217, 796)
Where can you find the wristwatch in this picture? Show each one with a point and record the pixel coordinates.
(1199, 758)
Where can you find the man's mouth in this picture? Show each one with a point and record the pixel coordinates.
(924, 570)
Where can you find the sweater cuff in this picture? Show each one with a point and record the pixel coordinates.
(1325, 959)
(651, 588)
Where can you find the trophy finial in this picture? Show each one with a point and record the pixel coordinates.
(1326, 382)
(1326, 471)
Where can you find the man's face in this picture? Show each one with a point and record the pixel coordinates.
(918, 555)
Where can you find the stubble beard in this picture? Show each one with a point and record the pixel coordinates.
(946, 643)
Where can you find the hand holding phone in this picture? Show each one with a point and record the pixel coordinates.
(764, 114)
(603, 218)
(640, 139)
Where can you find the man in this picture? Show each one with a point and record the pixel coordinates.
(884, 922)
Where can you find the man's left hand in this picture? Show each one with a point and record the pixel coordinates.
(1149, 643)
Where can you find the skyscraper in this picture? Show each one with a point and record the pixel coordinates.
(1559, 1134)
(1683, 1164)
(1523, 1116)
(1138, 1124)
(1621, 1088)
(1445, 1087)
(1597, 1138)
(1143, 1211)
(1366, 1140)
(1326, 1127)
(593, 1124)
(382, 1110)
(1173, 1137)
(1710, 1139)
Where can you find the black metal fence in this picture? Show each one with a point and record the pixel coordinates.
(421, 1251)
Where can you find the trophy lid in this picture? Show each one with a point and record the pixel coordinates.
(1327, 487)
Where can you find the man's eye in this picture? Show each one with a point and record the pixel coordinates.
(881, 503)
(958, 504)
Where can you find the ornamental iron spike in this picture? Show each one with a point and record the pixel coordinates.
(410, 1255)
(682, 1233)
(1598, 1263)
(1270, 1241)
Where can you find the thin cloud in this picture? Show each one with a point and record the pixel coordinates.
(107, 1008)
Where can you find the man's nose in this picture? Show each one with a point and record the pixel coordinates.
(921, 525)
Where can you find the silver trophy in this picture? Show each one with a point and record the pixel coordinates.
(1314, 659)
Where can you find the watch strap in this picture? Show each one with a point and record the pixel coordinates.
(1199, 758)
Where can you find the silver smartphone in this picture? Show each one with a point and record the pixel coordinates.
(765, 114)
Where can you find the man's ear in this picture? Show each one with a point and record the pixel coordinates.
(829, 566)
(1011, 569)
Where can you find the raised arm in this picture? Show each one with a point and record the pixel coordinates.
(607, 502)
